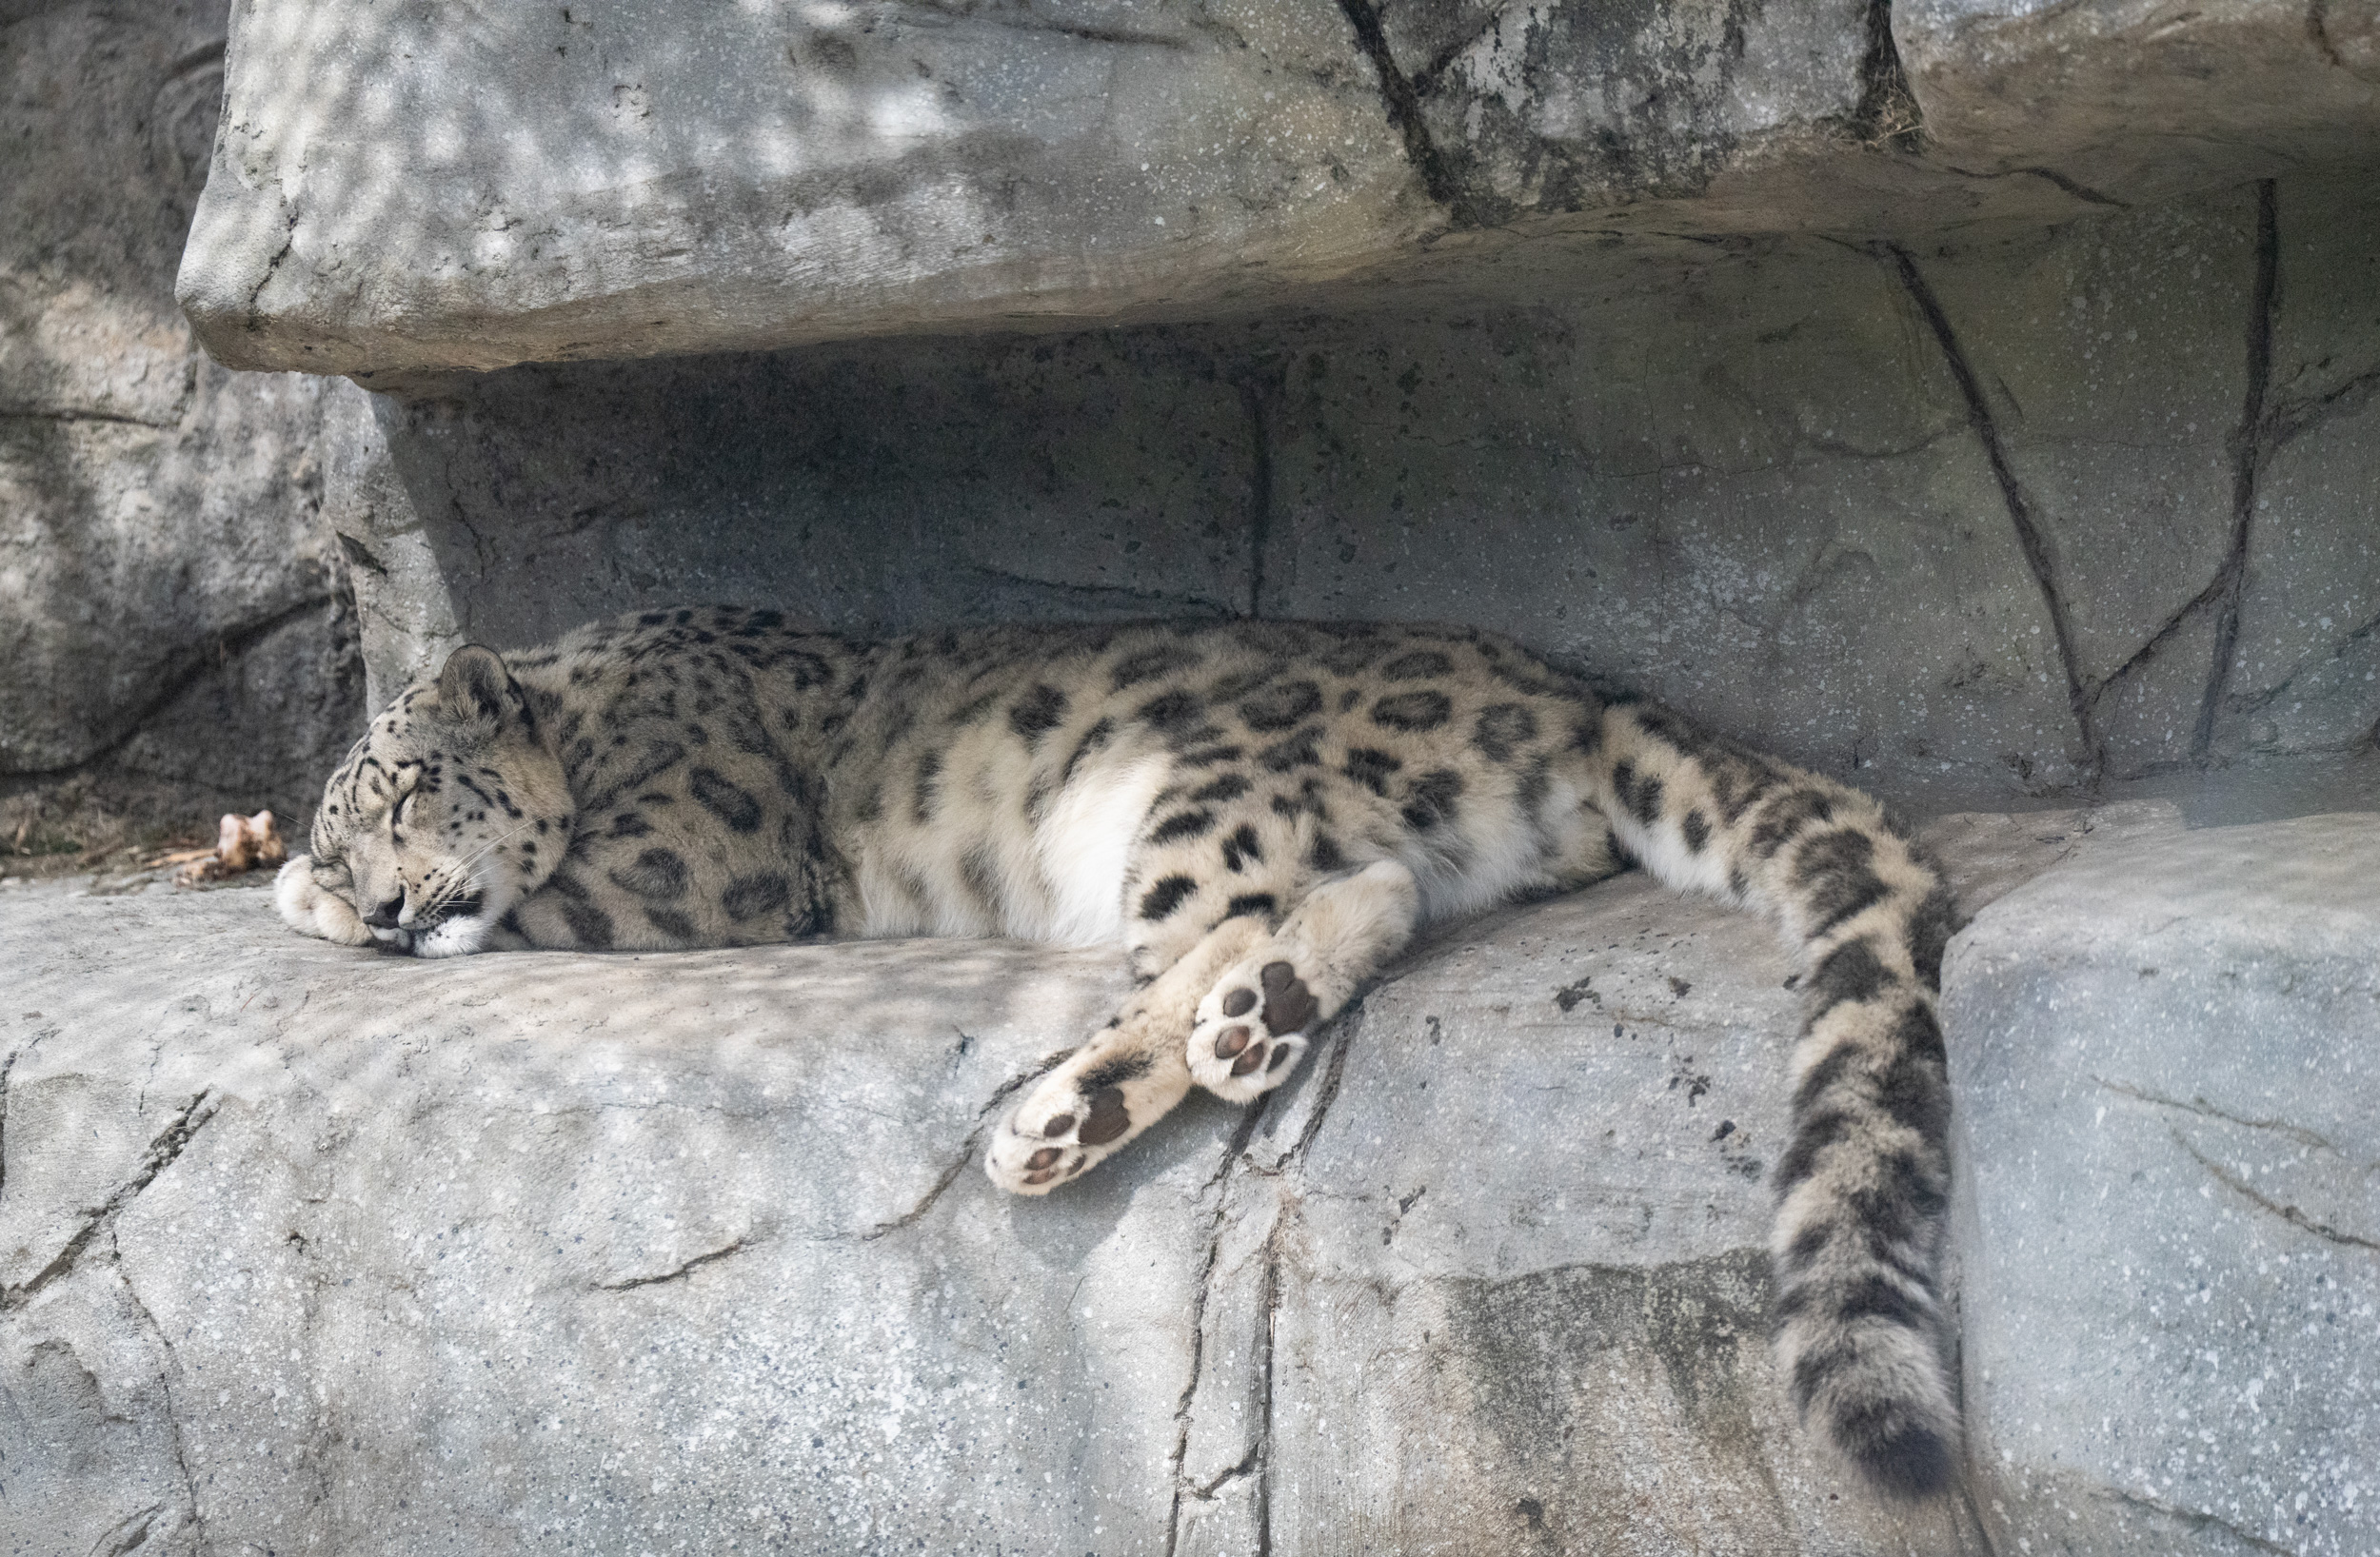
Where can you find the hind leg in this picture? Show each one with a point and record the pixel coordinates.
(1120, 1082)
(1253, 1023)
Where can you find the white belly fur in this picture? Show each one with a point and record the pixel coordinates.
(1081, 846)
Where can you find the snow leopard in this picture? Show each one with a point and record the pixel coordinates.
(1261, 813)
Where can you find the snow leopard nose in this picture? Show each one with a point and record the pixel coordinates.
(384, 917)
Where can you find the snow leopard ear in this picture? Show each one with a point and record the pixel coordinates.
(474, 685)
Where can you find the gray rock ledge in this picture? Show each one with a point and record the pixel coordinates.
(330, 1253)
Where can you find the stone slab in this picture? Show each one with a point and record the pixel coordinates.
(393, 194)
(335, 1252)
(631, 179)
(330, 1253)
(2133, 100)
(2168, 1169)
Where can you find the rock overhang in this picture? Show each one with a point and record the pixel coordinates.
(395, 195)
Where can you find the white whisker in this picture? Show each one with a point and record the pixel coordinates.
(454, 881)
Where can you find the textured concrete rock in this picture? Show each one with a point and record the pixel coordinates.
(396, 194)
(335, 1257)
(1498, 1280)
(2168, 1135)
(870, 488)
(2133, 100)
(1961, 522)
(333, 1253)
(1573, 108)
(2307, 659)
(167, 607)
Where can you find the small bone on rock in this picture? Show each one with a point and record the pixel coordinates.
(242, 844)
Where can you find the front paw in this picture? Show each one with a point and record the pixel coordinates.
(308, 908)
(1251, 1028)
(1056, 1134)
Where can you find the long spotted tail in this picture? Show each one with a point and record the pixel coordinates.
(1863, 1330)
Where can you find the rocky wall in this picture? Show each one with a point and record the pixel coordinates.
(173, 621)
(1966, 519)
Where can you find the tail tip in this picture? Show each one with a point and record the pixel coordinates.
(1900, 1453)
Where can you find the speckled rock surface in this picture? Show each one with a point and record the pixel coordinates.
(168, 608)
(395, 194)
(335, 1254)
(2164, 1055)
(2131, 100)
(628, 179)
(1966, 523)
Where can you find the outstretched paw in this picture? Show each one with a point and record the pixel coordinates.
(1056, 1134)
(1251, 1028)
(307, 906)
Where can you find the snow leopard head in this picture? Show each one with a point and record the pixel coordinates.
(447, 812)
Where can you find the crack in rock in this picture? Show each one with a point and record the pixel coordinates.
(288, 242)
(949, 1176)
(119, 417)
(2308, 412)
(2251, 447)
(2208, 1110)
(1269, 1300)
(1260, 389)
(2156, 640)
(8, 1068)
(2081, 191)
(165, 1386)
(1326, 1091)
(2262, 432)
(1426, 79)
(1104, 594)
(2256, 703)
(1440, 178)
(226, 645)
(126, 1533)
(1206, 1494)
(679, 1271)
(1258, 1460)
(161, 1155)
(2287, 1213)
(984, 1116)
(2029, 538)
(1218, 1185)
(2196, 1520)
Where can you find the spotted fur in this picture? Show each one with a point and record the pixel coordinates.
(1261, 815)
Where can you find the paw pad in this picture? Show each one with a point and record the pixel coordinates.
(1253, 1029)
(1027, 1157)
(1107, 1118)
(1289, 1006)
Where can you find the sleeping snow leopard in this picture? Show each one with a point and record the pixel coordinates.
(1261, 813)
